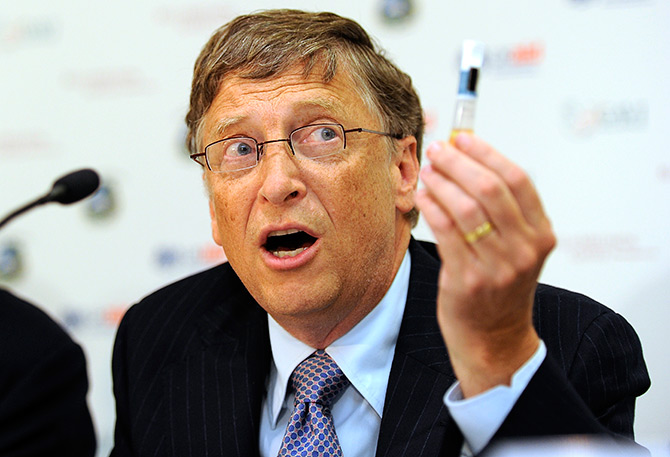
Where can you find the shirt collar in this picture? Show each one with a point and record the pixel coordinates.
(364, 353)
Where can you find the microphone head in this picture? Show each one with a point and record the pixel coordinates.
(74, 186)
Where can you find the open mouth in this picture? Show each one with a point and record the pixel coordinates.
(288, 243)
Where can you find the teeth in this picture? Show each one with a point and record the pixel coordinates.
(293, 253)
(283, 232)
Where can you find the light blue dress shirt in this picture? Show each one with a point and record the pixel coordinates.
(365, 355)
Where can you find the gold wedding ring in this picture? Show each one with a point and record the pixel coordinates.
(479, 232)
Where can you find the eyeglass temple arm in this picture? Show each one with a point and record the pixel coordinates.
(397, 136)
(196, 155)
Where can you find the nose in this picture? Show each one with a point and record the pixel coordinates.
(281, 179)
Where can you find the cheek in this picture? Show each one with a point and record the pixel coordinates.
(365, 198)
(229, 219)
(227, 214)
(228, 211)
(228, 232)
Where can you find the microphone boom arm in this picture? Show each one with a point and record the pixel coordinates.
(23, 209)
(68, 189)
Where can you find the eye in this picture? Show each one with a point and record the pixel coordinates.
(326, 133)
(238, 147)
(323, 133)
(317, 135)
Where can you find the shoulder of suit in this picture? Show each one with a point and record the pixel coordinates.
(186, 299)
(564, 319)
(552, 299)
(185, 318)
(28, 333)
(204, 282)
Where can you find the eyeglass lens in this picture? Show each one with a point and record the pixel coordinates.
(311, 142)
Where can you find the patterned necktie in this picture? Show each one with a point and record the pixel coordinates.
(317, 382)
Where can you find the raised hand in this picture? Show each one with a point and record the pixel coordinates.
(493, 238)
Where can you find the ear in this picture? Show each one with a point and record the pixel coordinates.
(406, 168)
(216, 235)
(215, 225)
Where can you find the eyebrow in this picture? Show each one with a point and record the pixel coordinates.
(321, 103)
(223, 124)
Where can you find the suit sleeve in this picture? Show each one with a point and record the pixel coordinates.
(45, 411)
(122, 439)
(588, 392)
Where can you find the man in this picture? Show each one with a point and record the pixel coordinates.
(310, 142)
(43, 385)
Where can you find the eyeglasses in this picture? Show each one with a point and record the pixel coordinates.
(309, 142)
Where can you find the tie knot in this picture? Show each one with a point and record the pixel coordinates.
(318, 379)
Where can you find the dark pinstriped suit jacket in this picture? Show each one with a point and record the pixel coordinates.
(191, 360)
(43, 386)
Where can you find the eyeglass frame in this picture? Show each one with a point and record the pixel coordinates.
(259, 146)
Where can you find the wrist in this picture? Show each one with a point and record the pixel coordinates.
(482, 362)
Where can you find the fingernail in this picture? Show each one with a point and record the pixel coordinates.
(433, 149)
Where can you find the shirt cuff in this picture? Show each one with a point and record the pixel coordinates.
(480, 417)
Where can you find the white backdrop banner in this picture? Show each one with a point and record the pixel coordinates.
(575, 91)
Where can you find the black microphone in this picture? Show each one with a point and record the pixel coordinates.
(70, 188)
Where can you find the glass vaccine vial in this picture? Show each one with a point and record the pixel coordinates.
(466, 99)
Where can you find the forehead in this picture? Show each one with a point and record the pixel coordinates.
(290, 97)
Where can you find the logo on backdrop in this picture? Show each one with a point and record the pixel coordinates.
(193, 17)
(81, 318)
(27, 32)
(102, 204)
(607, 247)
(11, 261)
(609, 116)
(516, 58)
(191, 257)
(396, 10)
(106, 81)
(25, 144)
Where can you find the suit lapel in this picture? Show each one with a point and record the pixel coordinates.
(215, 394)
(415, 421)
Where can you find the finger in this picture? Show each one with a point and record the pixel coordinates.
(447, 233)
(485, 187)
(514, 177)
(462, 208)
(519, 184)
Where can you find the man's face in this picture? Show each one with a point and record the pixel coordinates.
(346, 209)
